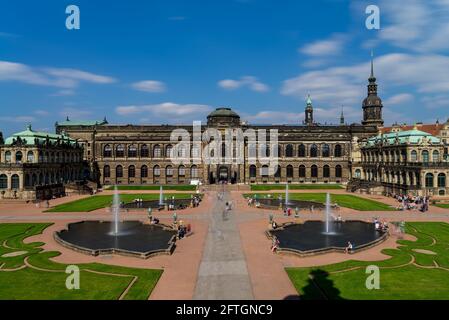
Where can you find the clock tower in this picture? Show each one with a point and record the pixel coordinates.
(372, 105)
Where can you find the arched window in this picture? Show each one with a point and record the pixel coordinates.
(429, 180)
(252, 171)
(314, 151)
(144, 172)
(425, 156)
(277, 174)
(337, 151)
(144, 151)
(289, 171)
(314, 171)
(34, 180)
(3, 181)
(107, 171)
(19, 157)
(195, 152)
(156, 171)
(169, 171)
(181, 171)
(414, 156)
(107, 151)
(157, 151)
(289, 151)
(132, 151)
(326, 171)
(338, 171)
(119, 172)
(302, 171)
(15, 181)
(264, 171)
(357, 174)
(8, 156)
(168, 151)
(28, 180)
(120, 151)
(301, 150)
(252, 151)
(325, 151)
(194, 172)
(131, 172)
(30, 157)
(441, 180)
(435, 156)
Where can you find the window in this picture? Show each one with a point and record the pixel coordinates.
(157, 151)
(429, 180)
(325, 151)
(144, 151)
(301, 150)
(27, 180)
(326, 171)
(252, 151)
(195, 152)
(314, 151)
(337, 151)
(15, 182)
(181, 171)
(425, 156)
(252, 171)
(357, 174)
(8, 156)
(156, 171)
(107, 151)
(168, 151)
(338, 171)
(441, 180)
(302, 171)
(264, 171)
(131, 172)
(107, 171)
(194, 172)
(3, 181)
(435, 156)
(132, 151)
(314, 171)
(30, 156)
(120, 151)
(144, 172)
(119, 172)
(169, 171)
(414, 156)
(19, 156)
(41, 157)
(277, 174)
(289, 171)
(289, 151)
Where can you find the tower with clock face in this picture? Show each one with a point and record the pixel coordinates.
(372, 105)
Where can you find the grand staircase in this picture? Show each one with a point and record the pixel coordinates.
(358, 184)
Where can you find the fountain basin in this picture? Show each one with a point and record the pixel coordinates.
(301, 204)
(154, 204)
(310, 239)
(135, 238)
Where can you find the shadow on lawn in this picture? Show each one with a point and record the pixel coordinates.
(320, 287)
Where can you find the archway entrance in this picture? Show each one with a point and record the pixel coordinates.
(223, 174)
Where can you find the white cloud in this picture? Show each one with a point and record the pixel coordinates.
(168, 110)
(42, 113)
(149, 86)
(328, 47)
(53, 77)
(247, 81)
(398, 99)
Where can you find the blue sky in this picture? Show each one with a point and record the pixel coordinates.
(174, 61)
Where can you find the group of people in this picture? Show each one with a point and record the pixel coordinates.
(410, 202)
(183, 230)
(380, 225)
(195, 201)
(154, 220)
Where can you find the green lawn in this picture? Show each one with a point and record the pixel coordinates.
(102, 201)
(155, 187)
(343, 200)
(267, 187)
(442, 205)
(43, 279)
(406, 275)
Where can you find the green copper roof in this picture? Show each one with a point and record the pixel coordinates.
(68, 122)
(309, 100)
(29, 137)
(402, 137)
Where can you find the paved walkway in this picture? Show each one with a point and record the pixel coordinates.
(223, 273)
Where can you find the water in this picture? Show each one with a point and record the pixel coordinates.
(328, 212)
(161, 197)
(116, 212)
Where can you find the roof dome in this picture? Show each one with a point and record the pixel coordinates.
(223, 116)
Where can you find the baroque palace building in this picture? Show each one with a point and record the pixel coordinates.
(308, 152)
(38, 165)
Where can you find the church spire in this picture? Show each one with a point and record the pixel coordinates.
(342, 117)
(372, 105)
(308, 120)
